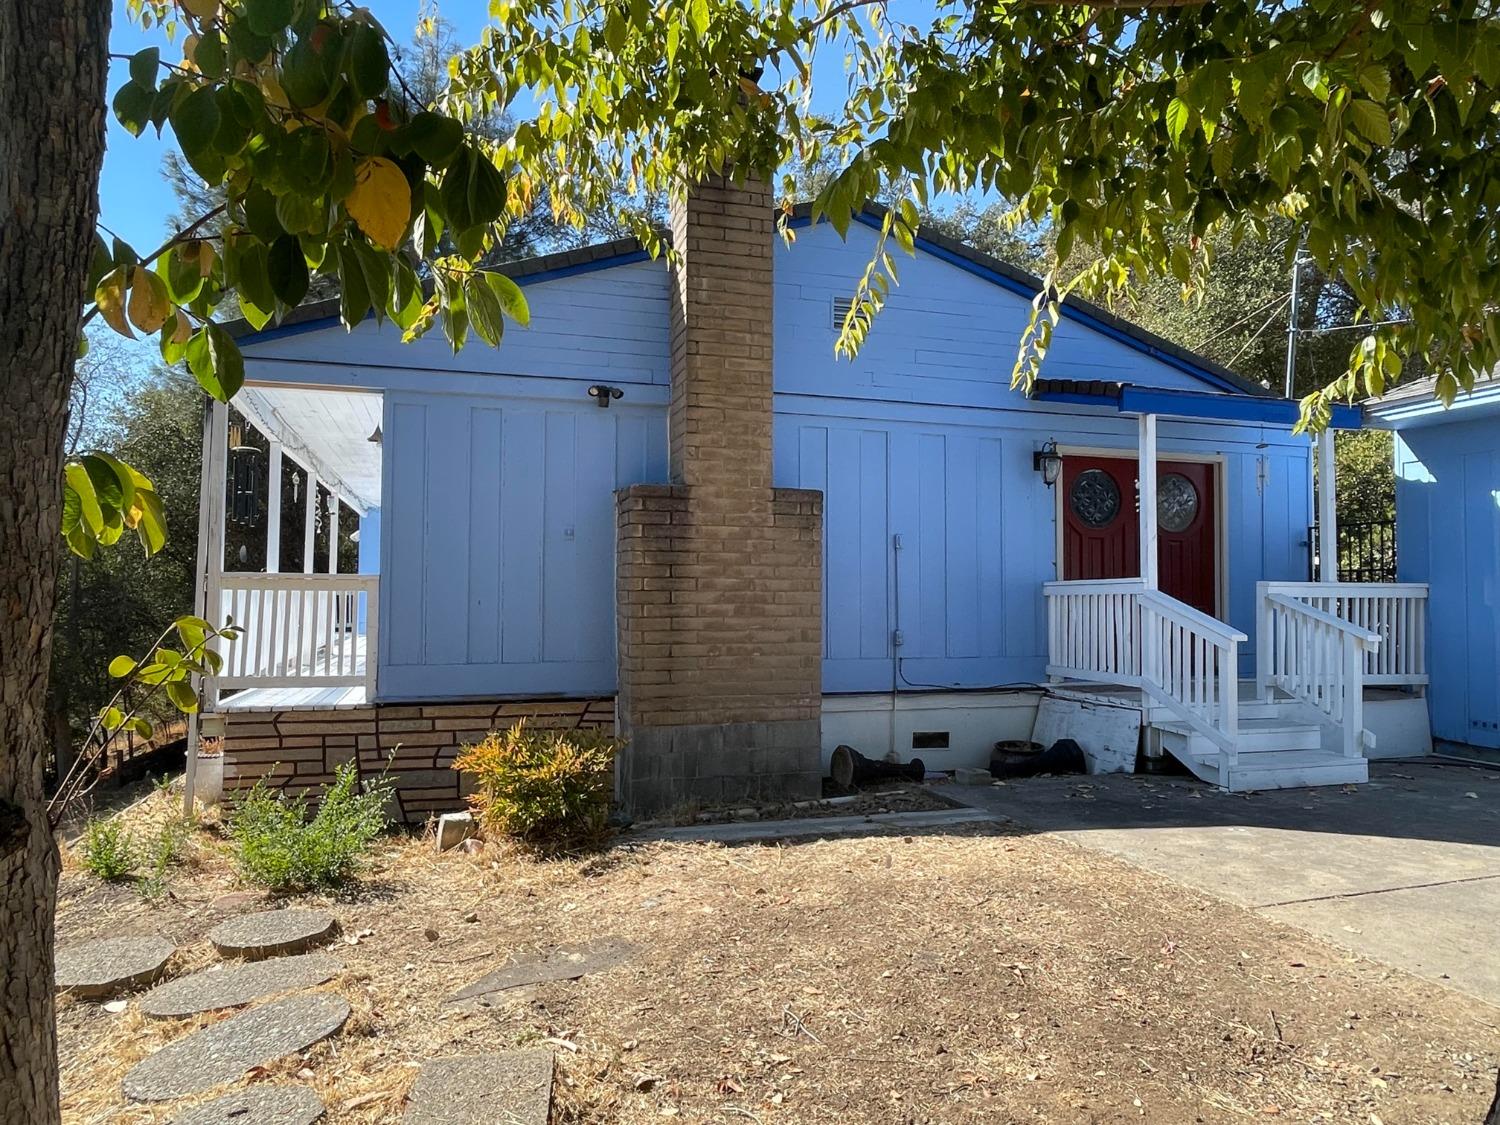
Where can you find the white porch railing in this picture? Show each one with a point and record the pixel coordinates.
(1396, 612)
(1119, 632)
(300, 630)
(1317, 658)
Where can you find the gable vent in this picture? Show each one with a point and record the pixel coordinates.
(841, 307)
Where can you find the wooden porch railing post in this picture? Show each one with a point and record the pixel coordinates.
(1353, 730)
(1264, 642)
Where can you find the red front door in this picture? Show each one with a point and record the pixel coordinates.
(1101, 525)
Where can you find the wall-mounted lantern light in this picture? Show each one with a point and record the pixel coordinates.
(1048, 461)
(601, 394)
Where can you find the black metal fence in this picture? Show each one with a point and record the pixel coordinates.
(1367, 551)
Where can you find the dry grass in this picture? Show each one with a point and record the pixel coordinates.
(969, 976)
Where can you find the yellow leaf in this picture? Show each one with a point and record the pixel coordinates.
(182, 330)
(203, 9)
(380, 202)
(149, 304)
(110, 297)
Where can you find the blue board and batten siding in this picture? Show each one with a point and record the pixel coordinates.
(1448, 535)
(498, 527)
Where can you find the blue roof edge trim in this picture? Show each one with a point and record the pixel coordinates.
(1250, 409)
(323, 314)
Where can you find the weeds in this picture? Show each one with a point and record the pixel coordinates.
(280, 847)
(109, 850)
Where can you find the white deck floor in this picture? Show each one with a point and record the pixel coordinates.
(293, 699)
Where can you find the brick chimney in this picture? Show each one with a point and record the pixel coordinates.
(719, 581)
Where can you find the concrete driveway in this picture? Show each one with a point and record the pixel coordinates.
(1405, 869)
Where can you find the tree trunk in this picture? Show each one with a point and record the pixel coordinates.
(53, 62)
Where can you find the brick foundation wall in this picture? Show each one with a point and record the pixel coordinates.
(719, 591)
(299, 750)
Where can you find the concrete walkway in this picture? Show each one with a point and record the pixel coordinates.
(1405, 869)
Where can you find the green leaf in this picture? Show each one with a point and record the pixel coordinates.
(121, 666)
(216, 362)
(251, 273)
(142, 727)
(375, 267)
(287, 270)
(369, 63)
(143, 66)
(268, 17)
(511, 298)
(151, 521)
(81, 485)
(1371, 121)
(435, 138)
(1178, 116)
(307, 72)
(698, 18)
(406, 296)
(195, 120)
(485, 313)
(208, 55)
(1375, 80)
(354, 294)
(132, 108)
(183, 697)
(111, 718)
(107, 489)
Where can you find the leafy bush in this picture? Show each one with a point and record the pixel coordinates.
(280, 847)
(548, 789)
(109, 850)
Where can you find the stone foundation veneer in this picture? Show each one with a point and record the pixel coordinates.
(298, 750)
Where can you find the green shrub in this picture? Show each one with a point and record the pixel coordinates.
(109, 851)
(280, 847)
(548, 789)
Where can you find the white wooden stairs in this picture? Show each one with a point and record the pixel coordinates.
(1299, 722)
(1279, 744)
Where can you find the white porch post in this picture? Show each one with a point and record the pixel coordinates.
(310, 524)
(212, 482)
(273, 508)
(333, 532)
(1146, 465)
(1328, 514)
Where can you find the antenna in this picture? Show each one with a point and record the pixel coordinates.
(1291, 328)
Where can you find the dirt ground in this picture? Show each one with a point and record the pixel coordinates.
(977, 975)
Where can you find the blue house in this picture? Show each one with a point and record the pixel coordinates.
(667, 506)
(1448, 536)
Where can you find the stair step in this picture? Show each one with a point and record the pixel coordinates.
(1258, 736)
(1293, 769)
(1281, 769)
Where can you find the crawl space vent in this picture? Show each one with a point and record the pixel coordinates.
(841, 307)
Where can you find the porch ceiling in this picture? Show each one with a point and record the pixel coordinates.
(327, 432)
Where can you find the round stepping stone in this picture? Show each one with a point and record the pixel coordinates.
(259, 1105)
(95, 970)
(271, 933)
(514, 1087)
(223, 1051)
(229, 987)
